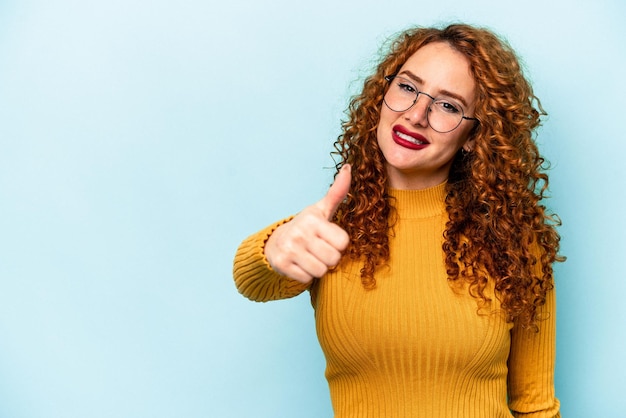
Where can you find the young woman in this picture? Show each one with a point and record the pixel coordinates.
(429, 261)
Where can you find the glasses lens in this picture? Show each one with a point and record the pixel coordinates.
(401, 95)
(444, 115)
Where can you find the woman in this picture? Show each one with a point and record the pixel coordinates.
(429, 261)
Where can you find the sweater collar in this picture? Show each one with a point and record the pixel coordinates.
(420, 203)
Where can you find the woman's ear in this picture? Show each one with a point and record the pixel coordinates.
(469, 145)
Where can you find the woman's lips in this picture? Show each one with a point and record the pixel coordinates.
(407, 139)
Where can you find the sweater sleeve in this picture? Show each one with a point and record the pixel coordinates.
(255, 278)
(531, 367)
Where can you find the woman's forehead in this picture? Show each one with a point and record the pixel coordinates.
(438, 68)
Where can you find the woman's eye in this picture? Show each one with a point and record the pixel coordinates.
(447, 107)
(406, 87)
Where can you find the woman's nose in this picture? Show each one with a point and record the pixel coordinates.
(418, 113)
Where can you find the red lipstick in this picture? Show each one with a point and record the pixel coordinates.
(408, 139)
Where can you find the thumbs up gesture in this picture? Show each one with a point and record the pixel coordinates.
(308, 245)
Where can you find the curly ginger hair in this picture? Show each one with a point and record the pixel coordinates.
(497, 228)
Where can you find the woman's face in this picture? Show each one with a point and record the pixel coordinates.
(417, 156)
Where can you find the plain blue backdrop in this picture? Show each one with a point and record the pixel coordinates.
(141, 141)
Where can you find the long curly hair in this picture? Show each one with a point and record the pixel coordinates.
(497, 228)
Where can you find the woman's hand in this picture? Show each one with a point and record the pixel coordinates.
(308, 245)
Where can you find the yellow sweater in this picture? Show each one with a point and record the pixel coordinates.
(414, 346)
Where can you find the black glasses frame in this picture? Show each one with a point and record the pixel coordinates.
(389, 78)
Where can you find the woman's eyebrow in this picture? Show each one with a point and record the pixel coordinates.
(446, 93)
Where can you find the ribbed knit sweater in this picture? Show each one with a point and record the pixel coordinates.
(415, 346)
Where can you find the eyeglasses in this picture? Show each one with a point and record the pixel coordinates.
(444, 115)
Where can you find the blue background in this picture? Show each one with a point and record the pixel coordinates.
(141, 141)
